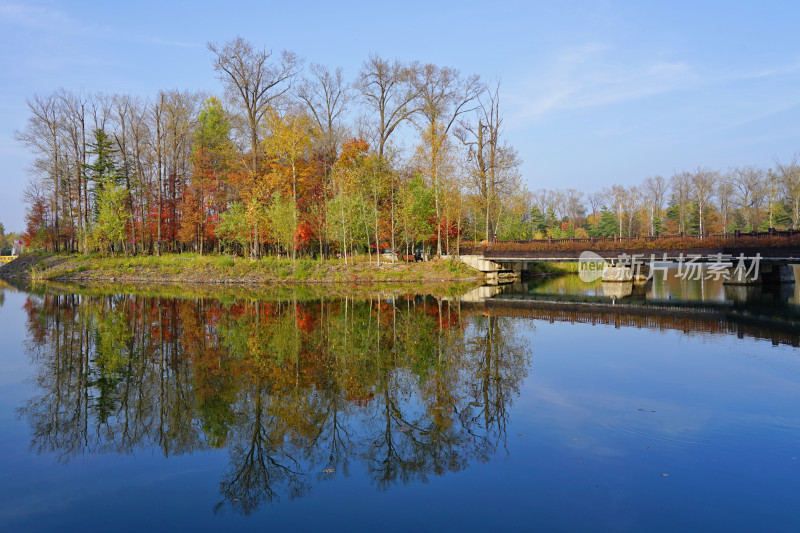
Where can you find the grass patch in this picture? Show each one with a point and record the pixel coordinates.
(225, 262)
(304, 269)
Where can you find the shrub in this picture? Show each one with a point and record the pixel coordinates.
(225, 261)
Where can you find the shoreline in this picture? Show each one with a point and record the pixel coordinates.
(224, 271)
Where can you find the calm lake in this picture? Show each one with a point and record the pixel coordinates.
(550, 405)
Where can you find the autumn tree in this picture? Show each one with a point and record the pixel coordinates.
(282, 219)
(416, 211)
(211, 156)
(289, 140)
(344, 183)
(255, 81)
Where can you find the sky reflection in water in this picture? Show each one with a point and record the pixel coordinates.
(393, 411)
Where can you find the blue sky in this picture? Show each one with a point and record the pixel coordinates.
(593, 92)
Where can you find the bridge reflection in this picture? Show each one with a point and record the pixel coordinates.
(752, 312)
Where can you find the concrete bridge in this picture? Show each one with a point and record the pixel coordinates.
(739, 259)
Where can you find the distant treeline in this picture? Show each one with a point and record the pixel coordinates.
(7, 241)
(295, 160)
(703, 202)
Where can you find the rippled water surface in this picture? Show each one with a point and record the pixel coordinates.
(552, 405)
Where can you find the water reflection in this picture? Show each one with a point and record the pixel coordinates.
(766, 311)
(667, 286)
(295, 391)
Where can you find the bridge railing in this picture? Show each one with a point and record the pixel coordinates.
(724, 239)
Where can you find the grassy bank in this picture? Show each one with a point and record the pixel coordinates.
(212, 269)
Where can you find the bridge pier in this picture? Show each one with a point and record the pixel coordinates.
(738, 271)
(626, 273)
(495, 272)
(778, 273)
(770, 272)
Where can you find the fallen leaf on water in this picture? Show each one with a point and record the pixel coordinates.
(664, 475)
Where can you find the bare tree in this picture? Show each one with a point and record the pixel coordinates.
(772, 190)
(123, 108)
(574, 207)
(143, 159)
(616, 197)
(494, 165)
(789, 175)
(631, 202)
(748, 192)
(389, 89)
(443, 97)
(326, 95)
(703, 187)
(74, 112)
(558, 201)
(725, 198)
(253, 81)
(595, 200)
(42, 135)
(655, 189)
(541, 200)
(681, 190)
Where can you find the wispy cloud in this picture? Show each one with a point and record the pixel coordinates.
(780, 70)
(591, 76)
(57, 22)
(596, 75)
(35, 17)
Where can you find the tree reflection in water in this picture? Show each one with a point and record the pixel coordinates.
(296, 391)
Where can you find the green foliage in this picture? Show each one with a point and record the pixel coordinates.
(113, 336)
(780, 217)
(304, 269)
(514, 227)
(213, 129)
(417, 210)
(102, 171)
(233, 227)
(282, 217)
(537, 220)
(112, 217)
(348, 220)
(607, 225)
(225, 261)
